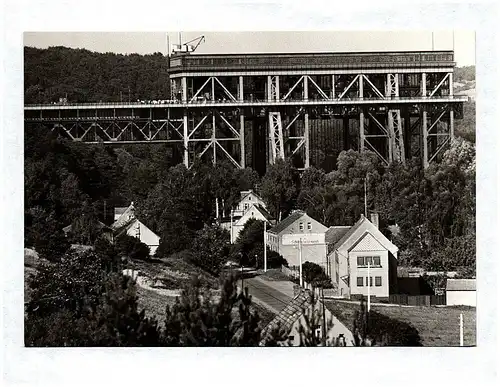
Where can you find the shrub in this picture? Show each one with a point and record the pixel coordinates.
(375, 329)
(315, 275)
(132, 247)
(210, 250)
(85, 301)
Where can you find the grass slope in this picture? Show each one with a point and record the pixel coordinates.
(436, 326)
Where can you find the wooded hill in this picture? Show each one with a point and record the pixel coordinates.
(85, 76)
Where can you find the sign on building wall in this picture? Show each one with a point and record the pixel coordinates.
(306, 239)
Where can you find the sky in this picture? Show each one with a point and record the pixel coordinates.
(462, 41)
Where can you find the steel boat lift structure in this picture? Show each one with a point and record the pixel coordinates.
(252, 109)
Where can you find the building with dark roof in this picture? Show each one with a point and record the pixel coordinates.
(289, 320)
(127, 223)
(283, 238)
(360, 257)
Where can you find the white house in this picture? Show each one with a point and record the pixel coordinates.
(250, 206)
(126, 222)
(301, 226)
(461, 292)
(352, 250)
(292, 317)
(256, 211)
(248, 198)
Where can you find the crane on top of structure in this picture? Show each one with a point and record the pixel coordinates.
(187, 47)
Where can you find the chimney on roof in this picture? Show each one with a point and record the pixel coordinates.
(374, 218)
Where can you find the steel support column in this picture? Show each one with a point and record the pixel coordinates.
(186, 139)
(306, 140)
(424, 85)
(361, 130)
(360, 81)
(452, 124)
(240, 89)
(269, 88)
(306, 88)
(450, 80)
(184, 90)
(242, 141)
(214, 157)
(425, 150)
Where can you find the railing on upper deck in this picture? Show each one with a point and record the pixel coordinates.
(311, 60)
(148, 104)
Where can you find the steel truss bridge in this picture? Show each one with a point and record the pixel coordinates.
(255, 108)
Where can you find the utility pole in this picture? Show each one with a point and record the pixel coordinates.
(369, 284)
(231, 231)
(300, 263)
(265, 247)
(324, 316)
(366, 206)
(461, 329)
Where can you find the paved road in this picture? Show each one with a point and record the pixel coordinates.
(265, 295)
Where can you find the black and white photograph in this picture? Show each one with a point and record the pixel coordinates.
(250, 189)
(219, 193)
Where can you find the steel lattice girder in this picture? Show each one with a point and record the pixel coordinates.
(436, 129)
(213, 121)
(276, 137)
(397, 147)
(383, 134)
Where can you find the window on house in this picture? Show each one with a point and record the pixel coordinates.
(246, 206)
(371, 281)
(364, 260)
(359, 281)
(309, 226)
(317, 331)
(378, 281)
(290, 338)
(301, 226)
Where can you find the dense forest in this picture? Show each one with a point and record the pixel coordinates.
(85, 76)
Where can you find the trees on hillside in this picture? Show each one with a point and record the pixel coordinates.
(279, 188)
(85, 76)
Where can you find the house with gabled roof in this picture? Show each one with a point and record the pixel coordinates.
(247, 200)
(256, 211)
(250, 206)
(289, 320)
(299, 225)
(352, 249)
(127, 223)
